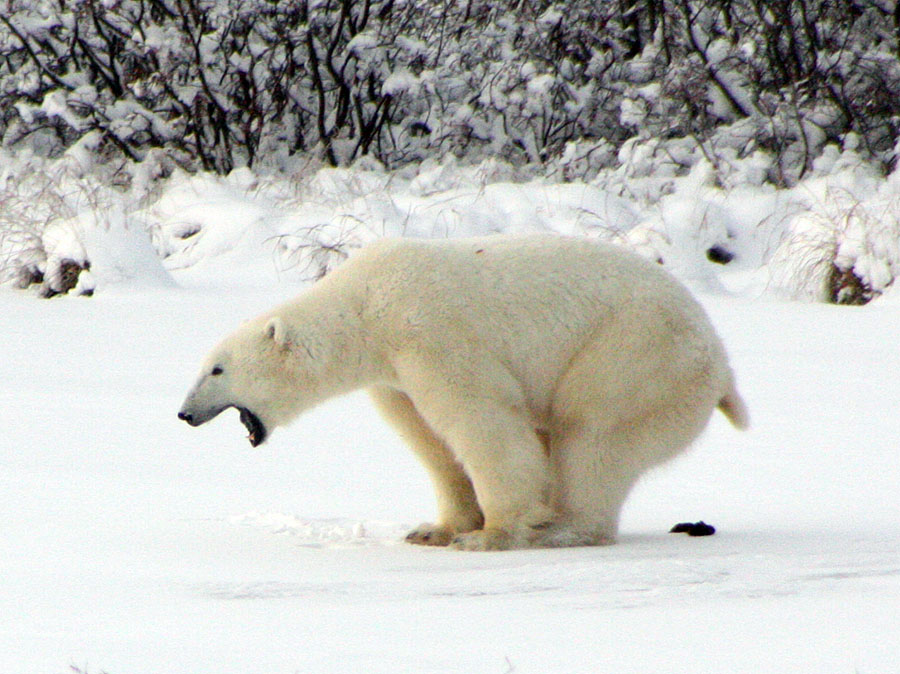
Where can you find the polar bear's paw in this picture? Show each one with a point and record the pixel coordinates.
(485, 539)
(430, 534)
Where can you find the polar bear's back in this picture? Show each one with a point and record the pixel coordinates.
(484, 262)
(532, 303)
(544, 278)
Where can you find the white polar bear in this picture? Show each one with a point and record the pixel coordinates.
(536, 377)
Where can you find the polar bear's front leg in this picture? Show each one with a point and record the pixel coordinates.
(505, 459)
(458, 510)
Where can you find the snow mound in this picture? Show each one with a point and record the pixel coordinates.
(711, 225)
(119, 252)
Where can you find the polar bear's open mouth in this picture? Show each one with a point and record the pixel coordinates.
(256, 430)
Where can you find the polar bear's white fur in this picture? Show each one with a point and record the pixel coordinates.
(535, 377)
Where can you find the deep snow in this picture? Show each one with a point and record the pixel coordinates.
(133, 543)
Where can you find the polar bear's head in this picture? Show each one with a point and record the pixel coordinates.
(250, 371)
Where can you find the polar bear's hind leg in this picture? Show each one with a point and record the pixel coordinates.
(598, 467)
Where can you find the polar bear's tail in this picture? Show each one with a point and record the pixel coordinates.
(734, 407)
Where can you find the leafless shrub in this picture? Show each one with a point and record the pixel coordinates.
(222, 85)
(842, 252)
(38, 228)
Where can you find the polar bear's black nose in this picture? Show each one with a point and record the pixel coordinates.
(184, 416)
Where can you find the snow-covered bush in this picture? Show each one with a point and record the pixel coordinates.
(663, 109)
(844, 250)
(221, 85)
(32, 246)
(63, 231)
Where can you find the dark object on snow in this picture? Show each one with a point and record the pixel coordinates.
(719, 255)
(693, 529)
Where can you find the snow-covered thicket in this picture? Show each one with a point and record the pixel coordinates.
(221, 85)
(141, 137)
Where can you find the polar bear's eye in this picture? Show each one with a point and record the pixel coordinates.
(217, 370)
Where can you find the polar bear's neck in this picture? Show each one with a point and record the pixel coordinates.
(328, 343)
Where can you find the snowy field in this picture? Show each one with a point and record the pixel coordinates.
(134, 544)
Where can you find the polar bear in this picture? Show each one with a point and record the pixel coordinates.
(535, 377)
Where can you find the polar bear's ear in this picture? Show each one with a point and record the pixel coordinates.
(276, 331)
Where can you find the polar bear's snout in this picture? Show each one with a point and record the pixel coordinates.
(196, 416)
(188, 417)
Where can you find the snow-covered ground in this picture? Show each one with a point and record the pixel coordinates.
(132, 543)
